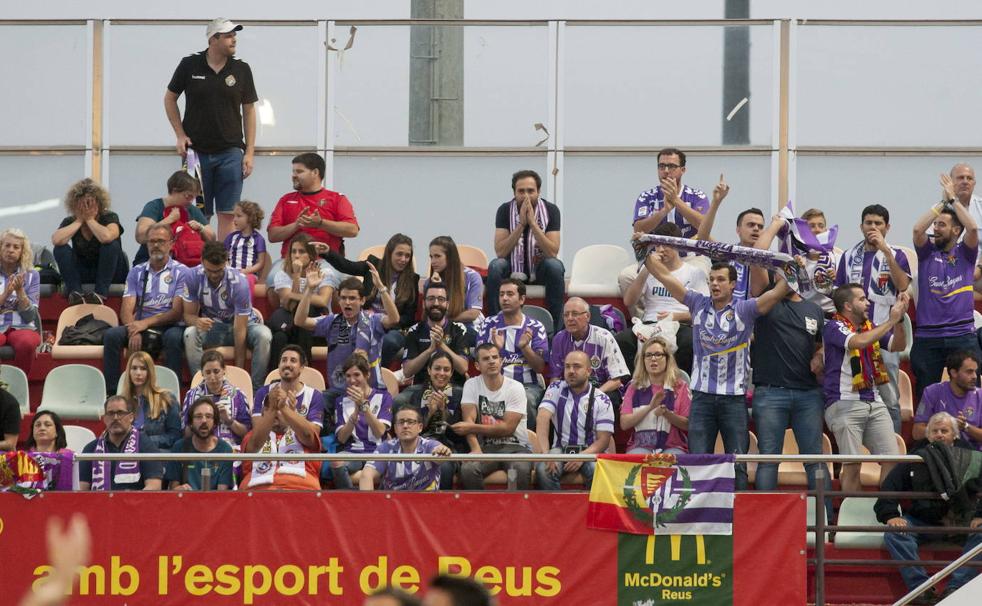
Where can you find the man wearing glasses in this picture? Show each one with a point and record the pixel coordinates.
(120, 436)
(405, 475)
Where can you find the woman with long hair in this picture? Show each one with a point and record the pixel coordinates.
(157, 412)
(397, 270)
(464, 286)
(439, 401)
(48, 445)
(657, 401)
(20, 293)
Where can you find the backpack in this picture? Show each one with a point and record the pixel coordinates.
(44, 263)
(188, 243)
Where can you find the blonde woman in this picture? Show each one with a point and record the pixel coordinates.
(158, 415)
(656, 404)
(20, 291)
(87, 244)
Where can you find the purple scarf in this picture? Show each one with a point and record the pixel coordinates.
(526, 254)
(57, 468)
(127, 472)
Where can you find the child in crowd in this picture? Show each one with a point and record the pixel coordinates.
(246, 247)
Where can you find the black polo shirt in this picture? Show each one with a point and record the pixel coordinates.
(784, 342)
(213, 102)
(418, 340)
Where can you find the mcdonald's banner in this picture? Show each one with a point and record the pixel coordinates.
(336, 547)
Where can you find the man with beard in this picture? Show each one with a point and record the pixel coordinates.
(959, 396)
(434, 333)
(945, 304)
(409, 475)
(186, 475)
(120, 436)
(308, 402)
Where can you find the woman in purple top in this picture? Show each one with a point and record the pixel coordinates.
(20, 292)
(48, 445)
(464, 286)
(656, 404)
(364, 418)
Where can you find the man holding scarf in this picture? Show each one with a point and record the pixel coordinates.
(120, 436)
(526, 242)
(855, 374)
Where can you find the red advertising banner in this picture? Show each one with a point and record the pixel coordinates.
(335, 547)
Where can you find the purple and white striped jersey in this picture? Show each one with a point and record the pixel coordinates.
(513, 362)
(606, 359)
(652, 200)
(362, 438)
(720, 344)
(232, 398)
(310, 403)
(244, 251)
(837, 384)
(223, 302)
(9, 316)
(575, 421)
(408, 475)
(159, 289)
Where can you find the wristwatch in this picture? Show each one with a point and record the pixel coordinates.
(363, 407)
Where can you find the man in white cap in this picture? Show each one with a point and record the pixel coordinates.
(218, 107)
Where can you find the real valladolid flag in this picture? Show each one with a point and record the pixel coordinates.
(663, 494)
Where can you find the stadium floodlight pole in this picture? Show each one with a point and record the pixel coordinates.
(950, 568)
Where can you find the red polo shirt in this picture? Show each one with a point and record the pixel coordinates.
(330, 205)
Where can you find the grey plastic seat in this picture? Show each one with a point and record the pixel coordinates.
(17, 385)
(74, 391)
(78, 436)
(857, 511)
(166, 379)
(542, 315)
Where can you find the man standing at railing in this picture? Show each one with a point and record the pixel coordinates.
(914, 477)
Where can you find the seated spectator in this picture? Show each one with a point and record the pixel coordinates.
(246, 246)
(658, 303)
(494, 412)
(439, 401)
(177, 205)
(281, 428)
(521, 341)
(234, 411)
(307, 400)
(526, 242)
(434, 333)
(289, 284)
(187, 475)
(411, 475)
(218, 311)
(151, 315)
(9, 420)
(607, 366)
(363, 416)
(958, 396)
(120, 437)
(324, 214)
(87, 245)
(158, 414)
(464, 286)
(397, 269)
(20, 294)
(657, 402)
(582, 419)
(914, 477)
(48, 445)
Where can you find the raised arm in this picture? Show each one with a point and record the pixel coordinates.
(706, 226)
(659, 271)
(767, 301)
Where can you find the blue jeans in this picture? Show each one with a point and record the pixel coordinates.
(258, 339)
(109, 269)
(550, 480)
(549, 273)
(775, 409)
(221, 173)
(117, 337)
(726, 415)
(927, 357)
(904, 547)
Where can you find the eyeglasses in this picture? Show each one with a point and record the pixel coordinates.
(573, 314)
(654, 355)
(407, 422)
(435, 299)
(117, 414)
(666, 166)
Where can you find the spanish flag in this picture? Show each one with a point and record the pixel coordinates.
(663, 494)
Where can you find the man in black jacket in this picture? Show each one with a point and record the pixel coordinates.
(914, 477)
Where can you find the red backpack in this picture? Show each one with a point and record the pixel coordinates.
(188, 243)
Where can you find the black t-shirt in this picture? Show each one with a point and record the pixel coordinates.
(9, 414)
(213, 102)
(502, 219)
(88, 249)
(418, 339)
(784, 342)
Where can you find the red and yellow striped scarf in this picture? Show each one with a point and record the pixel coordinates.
(866, 364)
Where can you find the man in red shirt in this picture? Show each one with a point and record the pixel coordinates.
(324, 214)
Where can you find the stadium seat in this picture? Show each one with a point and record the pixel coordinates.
(318, 353)
(542, 315)
(810, 521)
(906, 396)
(378, 250)
(793, 473)
(17, 385)
(309, 375)
(74, 391)
(78, 437)
(236, 376)
(869, 472)
(684, 375)
(473, 257)
(595, 270)
(391, 382)
(753, 449)
(909, 335)
(69, 317)
(166, 379)
(858, 511)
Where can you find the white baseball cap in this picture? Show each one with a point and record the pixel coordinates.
(222, 26)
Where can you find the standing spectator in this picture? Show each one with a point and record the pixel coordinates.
(657, 402)
(608, 369)
(246, 246)
(120, 437)
(398, 272)
(411, 475)
(20, 294)
(526, 242)
(158, 415)
(182, 189)
(216, 86)
(749, 225)
(9, 420)
(324, 214)
(48, 445)
(464, 286)
(959, 396)
(87, 245)
(203, 439)
(439, 401)
(364, 417)
(234, 418)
